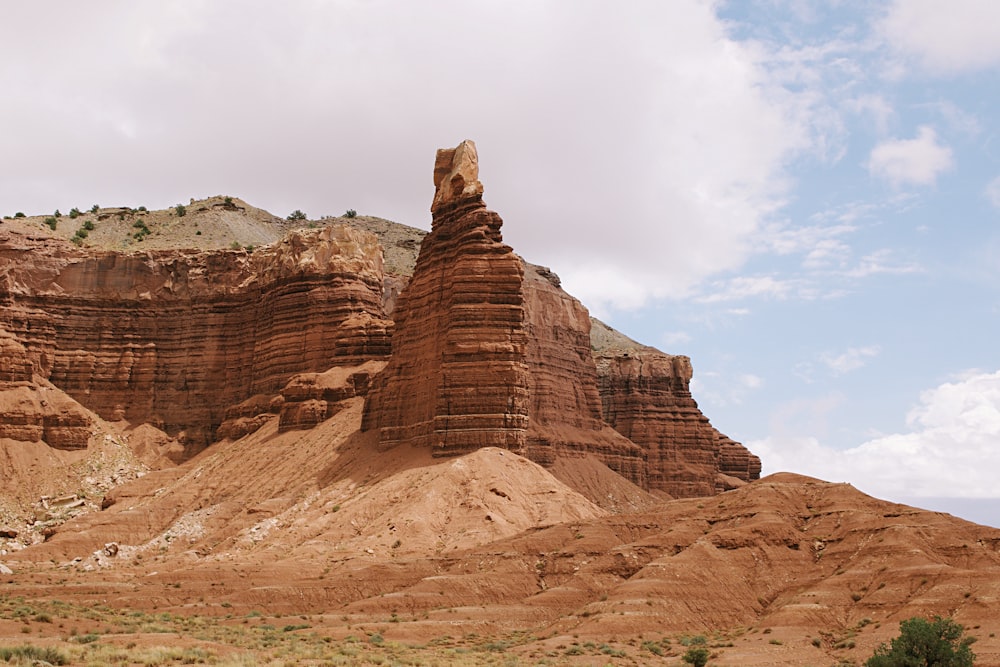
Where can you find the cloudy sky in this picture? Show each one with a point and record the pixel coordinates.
(802, 196)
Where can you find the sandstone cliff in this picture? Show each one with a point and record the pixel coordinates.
(646, 396)
(175, 337)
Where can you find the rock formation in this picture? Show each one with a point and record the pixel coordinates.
(31, 411)
(646, 397)
(489, 351)
(207, 345)
(174, 338)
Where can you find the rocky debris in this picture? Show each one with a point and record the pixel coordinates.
(173, 337)
(311, 398)
(5, 570)
(646, 396)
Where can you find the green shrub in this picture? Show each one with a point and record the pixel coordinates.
(57, 214)
(19, 214)
(228, 201)
(88, 225)
(181, 210)
(51, 222)
(937, 643)
(350, 213)
(696, 656)
(74, 212)
(143, 209)
(296, 215)
(95, 208)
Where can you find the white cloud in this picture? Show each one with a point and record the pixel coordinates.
(951, 450)
(743, 287)
(945, 37)
(917, 161)
(881, 261)
(874, 106)
(674, 338)
(992, 192)
(652, 153)
(851, 359)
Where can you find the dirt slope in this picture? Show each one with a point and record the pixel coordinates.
(788, 570)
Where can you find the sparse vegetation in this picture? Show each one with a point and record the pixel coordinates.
(143, 230)
(296, 215)
(696, 656)
(181, 210)
(19, 214)
(350, 213)
(88, 225)
(143, 208)
(51, 222)
(33, 655)
(57, 214)
(95, 208)
(74, 212)
(937, 643)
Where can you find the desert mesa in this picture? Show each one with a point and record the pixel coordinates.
(347, 441)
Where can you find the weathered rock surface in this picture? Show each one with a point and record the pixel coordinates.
(646, 396)
(173, 338)
(485, 352)
(310, 398)
(33, 411)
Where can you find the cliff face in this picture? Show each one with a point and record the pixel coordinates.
(173, 338)
(487, 350)
(646, 396)
(30, 411)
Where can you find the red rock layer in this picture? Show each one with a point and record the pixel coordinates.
(311, 398)
(457, 378)
(30, 412)
(565, 406)
(175, 337)
(646, 397)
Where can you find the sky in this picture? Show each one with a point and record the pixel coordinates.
(803, 197)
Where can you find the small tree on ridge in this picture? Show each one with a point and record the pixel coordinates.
(924, 643)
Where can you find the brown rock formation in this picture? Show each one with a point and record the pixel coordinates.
(311, 398)
(486, 353)
(457, 378)
(646, 397)
(33, 412)
(173, 338)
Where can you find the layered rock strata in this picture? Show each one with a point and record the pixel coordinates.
(646, 396)
(31, 411)
(485, 352)
(173, 338)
